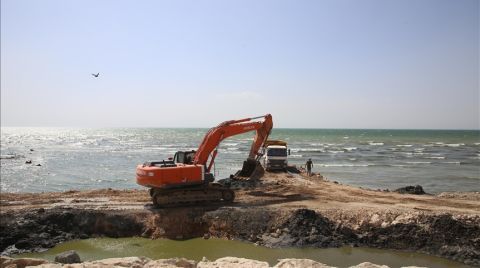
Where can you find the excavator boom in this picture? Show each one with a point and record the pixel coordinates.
(230, 128)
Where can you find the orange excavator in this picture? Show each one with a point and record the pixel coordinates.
(187, 179)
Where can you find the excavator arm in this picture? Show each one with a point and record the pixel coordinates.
(230, 128)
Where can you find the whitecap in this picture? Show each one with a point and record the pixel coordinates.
(317, 144)
(344, 165)
(335, 152)
(435, 157)
(404, 145)
(376, 143)
(158, 148)
(455, 144)
(233, 152)
(308, 150)
(7, 156)
(350, 149)
(419, 163)
(230, 144)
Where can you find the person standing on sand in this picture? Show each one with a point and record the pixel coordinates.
(309, 166)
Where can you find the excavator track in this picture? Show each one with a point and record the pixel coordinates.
(173, 197)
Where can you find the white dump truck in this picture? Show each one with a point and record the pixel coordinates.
(275, 155)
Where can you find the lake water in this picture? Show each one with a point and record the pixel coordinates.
(212, 249)
(74, 158)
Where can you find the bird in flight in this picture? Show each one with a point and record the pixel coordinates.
(96, 75)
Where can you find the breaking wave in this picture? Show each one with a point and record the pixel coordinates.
(376, 143)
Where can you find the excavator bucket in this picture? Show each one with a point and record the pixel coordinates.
(251, 169)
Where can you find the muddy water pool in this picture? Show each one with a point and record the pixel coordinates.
(196, 249)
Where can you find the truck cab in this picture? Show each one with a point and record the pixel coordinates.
(276, 155)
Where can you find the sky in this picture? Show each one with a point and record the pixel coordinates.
(410, 64)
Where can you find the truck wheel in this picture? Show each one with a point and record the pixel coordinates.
(228, 196)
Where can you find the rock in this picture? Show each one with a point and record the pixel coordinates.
(70, 256)
(368, 265)
(83, 236)
(134, 262)
(24, 244)
(294, 263)
(31, 150)
(417, 189)
(175, 262)
(38, 165)
(28, 162)
(20, 263)
(233, 262)
(43, 235)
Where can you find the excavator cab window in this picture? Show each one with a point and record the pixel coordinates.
(189, 156)
(179, 157)
(184, 157)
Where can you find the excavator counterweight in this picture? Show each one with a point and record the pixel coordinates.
(187, 179)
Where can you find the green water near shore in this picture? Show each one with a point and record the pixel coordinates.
(212, 249)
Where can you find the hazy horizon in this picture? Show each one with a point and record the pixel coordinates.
(205, 127)
(369, 64)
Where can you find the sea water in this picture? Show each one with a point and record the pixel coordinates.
(82, 158)
(212, 249)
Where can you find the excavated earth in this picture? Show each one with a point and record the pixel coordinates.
(279, 210)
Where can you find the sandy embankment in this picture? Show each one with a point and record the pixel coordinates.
(282, 210)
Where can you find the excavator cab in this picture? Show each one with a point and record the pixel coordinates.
(184, 157)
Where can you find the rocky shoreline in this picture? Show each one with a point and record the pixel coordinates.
(227, 262)
(269, 215)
